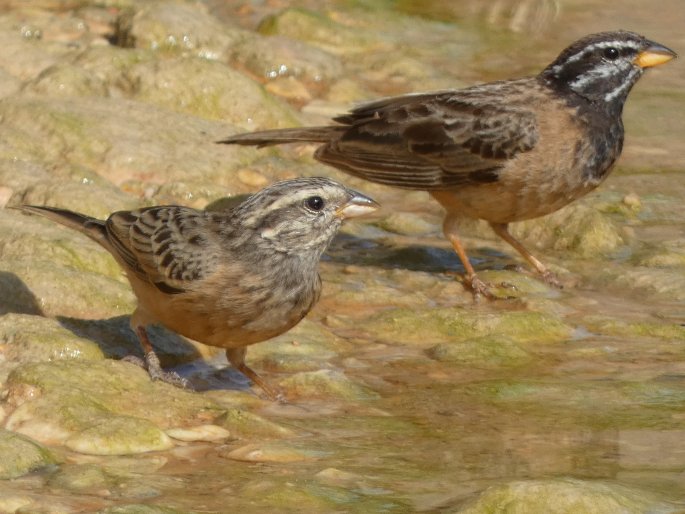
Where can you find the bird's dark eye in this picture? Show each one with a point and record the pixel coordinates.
(314, 203)
(611, 53)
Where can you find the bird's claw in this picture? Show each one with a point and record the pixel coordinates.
(154, 369)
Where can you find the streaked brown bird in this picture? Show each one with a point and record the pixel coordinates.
(230, 278)
(502, 151)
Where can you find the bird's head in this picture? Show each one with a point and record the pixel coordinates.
(604, 67)
(301, 216)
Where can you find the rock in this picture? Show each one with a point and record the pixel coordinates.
(407, 224)
(318, 30)
(247, 425)
(22, 455)
(199, 433)
(483, 352)
(210, 90)
(431, 326)
(119, 435)
(577, 228)
(565, 496)
(272, 57)
(271, 452)
(184, 28)
(26, 338)
(327, 383)
(99, 406)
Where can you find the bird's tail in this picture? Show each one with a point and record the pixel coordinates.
(282, 136)
(92, 227)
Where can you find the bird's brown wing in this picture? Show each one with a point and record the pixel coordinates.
(166, 246)
(433, 141)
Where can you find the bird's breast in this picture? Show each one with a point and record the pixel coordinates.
(572, 157)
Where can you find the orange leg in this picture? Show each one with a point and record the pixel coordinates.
(471, 280)
(236, 356)
(548, 276)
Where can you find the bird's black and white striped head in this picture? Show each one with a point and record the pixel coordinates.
(300, 216)
(602, 68)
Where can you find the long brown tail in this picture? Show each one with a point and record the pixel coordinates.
(92, 227)
(282, 136)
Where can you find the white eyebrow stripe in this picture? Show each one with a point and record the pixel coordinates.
(601, 44)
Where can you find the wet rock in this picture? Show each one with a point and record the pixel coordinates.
(306, 347)
(107, 406)
(408, 224)
(578, 228)
(565, 496)
(271, 452)
(199, 433)
(319, 30)
(268, 58)
(650, 282)
(210, 90)
(135, 508)
(123, 141)
(25, 338)
(483, 352)
(21, 455)
(248, 425)
(14, 502)
(88, 478)
(327, 383)
(119, 435)
(182, 27)
(617, 327)
(426, 327)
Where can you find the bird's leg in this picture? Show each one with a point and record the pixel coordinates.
(548, 276)
(236, 356)
(152, 364)
(471, 280)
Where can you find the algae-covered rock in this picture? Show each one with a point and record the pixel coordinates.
(210, 90)
(136, 508)
(408, 224)
(26, 338)
(327, 383)
(272, 451)
(248, 425)
(119, 435)
(107, 404)
(268, 58)
(483, 352)
(428, 327)
(21, 455)
(120, 140)
(578, 228)
(319, 30)
(565, 496)
(182, 27)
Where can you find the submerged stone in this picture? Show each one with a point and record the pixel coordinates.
(21, 455)
(327, 383)
(565, 496)
(426, 327)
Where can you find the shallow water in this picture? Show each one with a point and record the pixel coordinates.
(430, 431)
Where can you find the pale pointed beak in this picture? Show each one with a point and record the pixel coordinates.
(654, 55)
(358, 205)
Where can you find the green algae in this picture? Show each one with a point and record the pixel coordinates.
(21, 455)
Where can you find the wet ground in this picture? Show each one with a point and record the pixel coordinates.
(403, 394)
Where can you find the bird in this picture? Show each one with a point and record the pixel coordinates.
(228, 278)
(502, 151)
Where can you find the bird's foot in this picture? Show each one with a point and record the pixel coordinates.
(551, 278)
(480, 288)
(154, 369)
